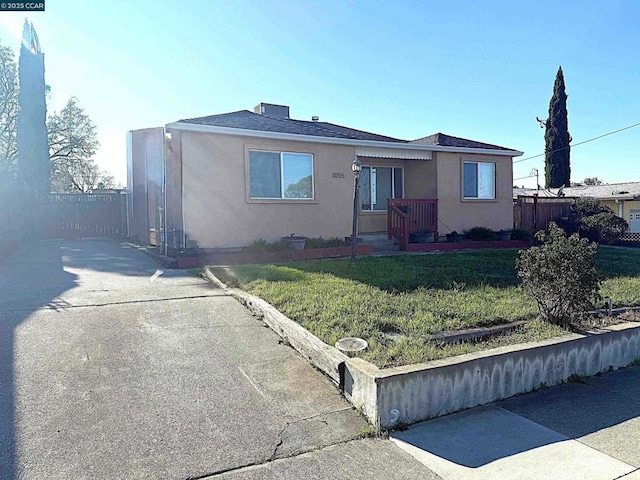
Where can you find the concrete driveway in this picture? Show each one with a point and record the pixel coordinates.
(113, 368)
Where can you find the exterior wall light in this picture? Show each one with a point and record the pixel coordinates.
(356, 168)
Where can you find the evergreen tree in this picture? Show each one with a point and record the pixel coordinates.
(33, 150)
(557, 170)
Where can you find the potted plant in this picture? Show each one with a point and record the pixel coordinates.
(347, 240)
(297, 243)
(454, 237)
(423, 236)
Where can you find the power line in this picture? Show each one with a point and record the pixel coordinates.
(520, 178)
(580, 143)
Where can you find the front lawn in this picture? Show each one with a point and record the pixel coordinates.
(394, 302)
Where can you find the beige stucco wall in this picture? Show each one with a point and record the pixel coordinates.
(459, 214)
(218, 212)
(615, 207)
(419, 182)
(627, 206)
(146, 177)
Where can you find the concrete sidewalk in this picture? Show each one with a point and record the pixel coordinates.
(112, 368)
(574, 431)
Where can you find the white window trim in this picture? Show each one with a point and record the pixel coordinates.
(393, 186)
(282, 197)
(464, 162)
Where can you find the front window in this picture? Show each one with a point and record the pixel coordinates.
(280, 175)
(479, 180)
(379, 184)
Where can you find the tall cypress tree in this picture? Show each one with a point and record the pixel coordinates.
(557, 170)
(33, 147)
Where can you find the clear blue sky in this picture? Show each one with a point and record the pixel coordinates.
(479, 70)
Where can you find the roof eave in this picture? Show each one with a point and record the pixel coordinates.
(616, 197)
(194, 127)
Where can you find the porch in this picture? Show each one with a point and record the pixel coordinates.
(406, 216)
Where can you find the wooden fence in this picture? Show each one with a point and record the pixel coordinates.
(69, 215)
(17, 224)
(57, 215)
(533, 213)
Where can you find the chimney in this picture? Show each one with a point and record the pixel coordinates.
(279, 111)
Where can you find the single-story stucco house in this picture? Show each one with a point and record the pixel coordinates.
(223, 181)
(622, 198)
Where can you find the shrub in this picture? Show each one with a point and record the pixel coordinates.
(480, 234)
(520, 234)
(261, 245)
(592, 220)
(319, 242)
(560, 275)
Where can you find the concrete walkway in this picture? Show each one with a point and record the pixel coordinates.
(112, 368)
(574, 431)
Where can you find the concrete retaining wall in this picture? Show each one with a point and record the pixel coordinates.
(409, 394)
(405, 395)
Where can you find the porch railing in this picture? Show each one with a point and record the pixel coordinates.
(406, 216)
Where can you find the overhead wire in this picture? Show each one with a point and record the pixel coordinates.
(580, 143)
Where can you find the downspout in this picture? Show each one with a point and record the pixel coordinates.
(129, 191)
(184, 229)
(165, 139)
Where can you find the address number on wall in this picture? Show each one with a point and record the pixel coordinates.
(338, 175)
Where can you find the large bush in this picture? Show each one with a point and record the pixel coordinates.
(592, 220)
(560, 275)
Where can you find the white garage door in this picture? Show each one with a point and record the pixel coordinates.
(634, 221)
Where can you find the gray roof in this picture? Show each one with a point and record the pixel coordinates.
(246, 120)
(628, 191)
(528, 192)
(445, 140)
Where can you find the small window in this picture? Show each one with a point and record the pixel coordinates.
(379, 184)
(479, 180)
(280, 175)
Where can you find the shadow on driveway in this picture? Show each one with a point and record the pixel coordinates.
(32, 278)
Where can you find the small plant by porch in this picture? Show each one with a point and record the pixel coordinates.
(413, 223)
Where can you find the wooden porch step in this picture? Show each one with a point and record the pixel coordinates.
(379, 241)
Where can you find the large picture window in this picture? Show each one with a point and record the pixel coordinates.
(379, 184)
(479, 180)
(280, 175)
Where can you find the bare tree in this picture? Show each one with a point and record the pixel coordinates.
(73, 142)
(9, 108)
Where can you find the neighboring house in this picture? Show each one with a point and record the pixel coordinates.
(622, 198)
(226, 180)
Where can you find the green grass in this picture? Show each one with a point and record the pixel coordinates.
(417, 295)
